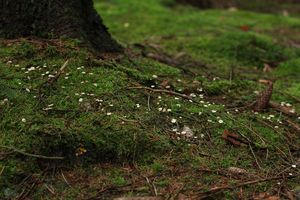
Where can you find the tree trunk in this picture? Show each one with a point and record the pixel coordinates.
(56, 18)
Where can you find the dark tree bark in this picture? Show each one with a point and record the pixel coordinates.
(56, 18)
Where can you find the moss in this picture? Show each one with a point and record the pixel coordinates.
(247, 48)
(51, 51)
(24, 50)
(288, 68)
(90, 115)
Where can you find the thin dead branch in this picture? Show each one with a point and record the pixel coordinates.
(66, 181)
(31, 155)
(51, 81)
(294, 125)
(164, 91)
(286, 110)
(256, 160)
(2, 170)
(242, 184)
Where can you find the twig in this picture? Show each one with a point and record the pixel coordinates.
(149, 103)
(259, 136)
(282, 109)
(34, 180)
(2, 170)
(266, 124)
(128, 120)
(228, 187)
(60, 71)
(51, 81)
(254, 156)
(51, 190)
(294, 125)
(151, 184)
(62, 174)
(31, 155)
(164, 91)
(289, 95)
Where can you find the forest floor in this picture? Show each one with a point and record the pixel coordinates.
(172, 118)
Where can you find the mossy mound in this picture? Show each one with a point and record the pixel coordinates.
(120, 120)
(247, 48)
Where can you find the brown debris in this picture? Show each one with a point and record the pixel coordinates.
(183, 197)
(286, 110)
(267, 68)
(139, 198)
(263, 99)
(242, 184)
(265, 196)
(233, 138)
(237, 171)
(294, 125)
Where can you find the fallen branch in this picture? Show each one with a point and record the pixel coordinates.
(294, 125)
(283, 109)
(31, 155)
(164, 91)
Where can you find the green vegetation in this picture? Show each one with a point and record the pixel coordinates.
(112, 134)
